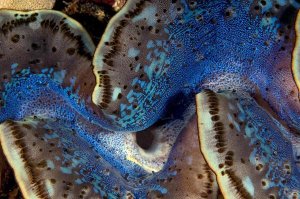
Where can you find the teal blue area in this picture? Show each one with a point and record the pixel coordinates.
(78, 181)
(44, 70)
(150, 44)
(14, 66)
(282, 2)
(59, 76)
(268, 5)
(50, 164)
(195, 49)
(66, 170)
(133, 52)
(273, 150)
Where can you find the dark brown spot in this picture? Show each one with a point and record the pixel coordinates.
(35, 46)
(15, 38)
(71, 51)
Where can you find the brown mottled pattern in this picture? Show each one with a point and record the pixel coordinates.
(194, 178)
(227, 149)
(35, 147)
(46, 40)
(17, 136)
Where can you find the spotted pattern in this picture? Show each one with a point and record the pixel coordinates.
(61, 144)
(261, 164)
(42, 38)
(168, 47)
(51, 159)
(90, 104)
